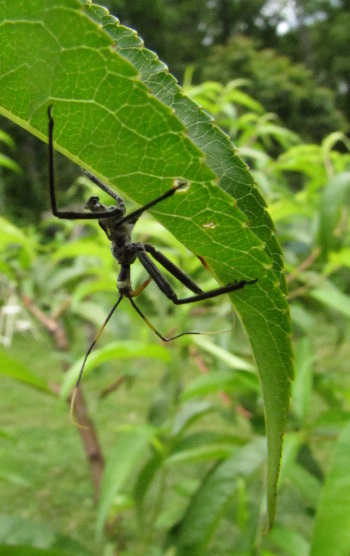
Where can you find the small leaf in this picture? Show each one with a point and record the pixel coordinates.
(332, 204)
(12, 368)
(224, 355)
(330, 296)
(144, 481)
(337, 259)
(302, 386)
(290, 542)
(5, 138)
(7, 162)
(213, 382)
(291, 446)
(189, 413)
(123, 460)
(85, 289)
(77, 248)
(10, 234)
(306, 483)
(200, 453)
(331, 534)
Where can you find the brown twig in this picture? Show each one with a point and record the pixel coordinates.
(304, 265)
(86, 427)
(114, 386)
(90, 440)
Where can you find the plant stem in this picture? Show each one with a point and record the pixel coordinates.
(86, 427)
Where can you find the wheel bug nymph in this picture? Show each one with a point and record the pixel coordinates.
(118, 227)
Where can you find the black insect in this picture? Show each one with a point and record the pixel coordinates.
(118, 227)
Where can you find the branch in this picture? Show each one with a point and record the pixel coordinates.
(87, 430)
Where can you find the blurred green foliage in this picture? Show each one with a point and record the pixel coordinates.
(296, 53)
(281, 86)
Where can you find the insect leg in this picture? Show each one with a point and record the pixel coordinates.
(150, 325)
(69, 215)
(97, 337)
(172, 268)
(166, 288)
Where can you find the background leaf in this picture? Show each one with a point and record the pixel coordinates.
(331, 535)
(130, 446)
(332, 203)
(11, 368)
(213, 495)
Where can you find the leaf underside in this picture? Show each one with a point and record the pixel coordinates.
(120, 115)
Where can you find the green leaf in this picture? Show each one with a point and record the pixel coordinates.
(337, 259)
(221, 156)
(306, 483)
(89, 311)
(199, 453)
(123, 460)
(267, 320)
(77, 248)
(85, 289)
(302, 386)
(188, 413)
(21, 537)
(7, 162)
(5, 138)
(144, 481)
(213, 497)
(11, 235)
(290, 542)
(223, 355)
(120, 115)
(212, 382)
(331, 535)
(291, 446)
(330, 141)
(332, 205)
(330, 296)
(12, 368)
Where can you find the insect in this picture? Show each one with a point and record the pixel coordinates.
(118, 227)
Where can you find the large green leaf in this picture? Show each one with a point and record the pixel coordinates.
(120, 115)
(219, 152)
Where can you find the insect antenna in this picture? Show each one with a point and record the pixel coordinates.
(87, 355)
(150, 325)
